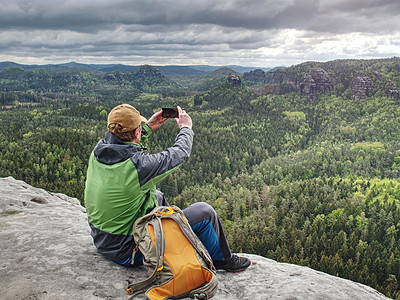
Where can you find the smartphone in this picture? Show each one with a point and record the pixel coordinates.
(170, 113)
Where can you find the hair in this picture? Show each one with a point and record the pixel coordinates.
(116, 129)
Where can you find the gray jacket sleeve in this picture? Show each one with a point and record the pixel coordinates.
(157, 166)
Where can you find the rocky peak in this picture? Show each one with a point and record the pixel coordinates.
(115, 76)
(257, 75)
(148, 71)
(393, 94)
(234, 80)
(308, 87)
(317, 82)
(313, 83)
(221, 72)
(362, 87)
(321, 78)
(281, 76)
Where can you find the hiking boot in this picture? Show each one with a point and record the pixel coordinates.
(235, 264)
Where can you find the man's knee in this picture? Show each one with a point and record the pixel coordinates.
(205, 208)
(198, 212)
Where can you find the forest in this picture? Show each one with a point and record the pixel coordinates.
(306, 178)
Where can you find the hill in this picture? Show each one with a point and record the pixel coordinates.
(148, 78)
(350, 78)
(78, 80)
(212, 80)
(229, 92)
(168, 70)
(238, 69)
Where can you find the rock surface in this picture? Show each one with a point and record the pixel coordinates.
(47, 253)
(394, 94)
(317, 82)
(362, 87)
(254, 75)
(281, 76)
(234, 80)
(310, 85)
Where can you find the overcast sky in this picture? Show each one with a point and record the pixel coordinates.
(264, 33)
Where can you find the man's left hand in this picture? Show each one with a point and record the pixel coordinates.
(156, 120)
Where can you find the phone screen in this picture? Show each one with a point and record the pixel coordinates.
(170, 112)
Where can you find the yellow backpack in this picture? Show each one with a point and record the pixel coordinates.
(182, 265)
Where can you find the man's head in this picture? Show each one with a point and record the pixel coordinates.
(123, 120)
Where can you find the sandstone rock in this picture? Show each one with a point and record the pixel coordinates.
(234, 80)
(316, 83)
(281, 76)
(47, 253)
(362, 87)
(308, 87)
(257, 75)
(148, 71)
(322, 80)
(394, 94)
(116, 75)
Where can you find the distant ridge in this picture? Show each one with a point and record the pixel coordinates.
(239, 69)
(8, 64)
(168, 70)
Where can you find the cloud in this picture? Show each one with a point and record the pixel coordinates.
(94, 15)
(207, 31)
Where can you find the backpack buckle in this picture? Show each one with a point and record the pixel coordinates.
(169, 212)
(200, 296)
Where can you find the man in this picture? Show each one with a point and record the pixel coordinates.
(121, 187)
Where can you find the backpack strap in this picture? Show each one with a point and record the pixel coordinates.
(193, 239)
(137, 288)
(210, 288)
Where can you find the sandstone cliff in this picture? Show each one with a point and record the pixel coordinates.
(355, 79)
(47, 253)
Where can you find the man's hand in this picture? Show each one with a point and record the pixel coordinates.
(156, 120)
(184, 120)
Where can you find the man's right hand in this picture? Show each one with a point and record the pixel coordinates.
(156, 120)
(184, 120)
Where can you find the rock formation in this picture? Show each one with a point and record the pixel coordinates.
(394, 94)
(308, 87)
(257, 75)
(146, 71)
(362, 87)
(47, 253)
(322, 80)
(316, 82)
(281, 76)
(115, 76)
(234, 80)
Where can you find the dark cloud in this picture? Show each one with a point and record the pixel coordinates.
(91, 15)
(243, 30)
